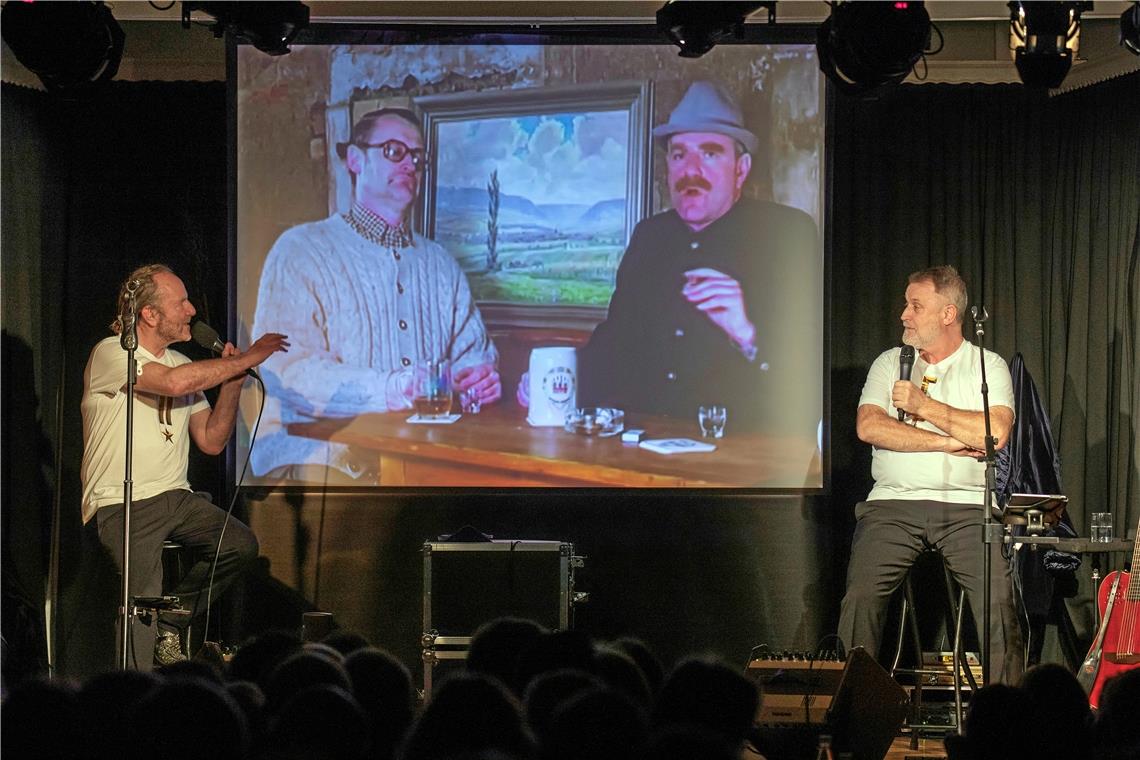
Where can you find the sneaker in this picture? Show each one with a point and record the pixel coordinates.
(168, 648)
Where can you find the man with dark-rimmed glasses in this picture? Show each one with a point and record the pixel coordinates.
(363, 298)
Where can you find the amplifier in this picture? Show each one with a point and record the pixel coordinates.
(856, 701)
(795, 691)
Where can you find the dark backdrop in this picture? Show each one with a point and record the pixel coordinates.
(1036, 200)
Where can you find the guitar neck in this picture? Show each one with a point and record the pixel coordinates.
(1132, 594)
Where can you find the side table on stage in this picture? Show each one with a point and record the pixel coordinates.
(1078, 546)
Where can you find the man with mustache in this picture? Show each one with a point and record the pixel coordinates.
(928, 491)
(718, 300)
(169, 411)
(363, 298)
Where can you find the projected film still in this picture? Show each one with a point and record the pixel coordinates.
(509, 263)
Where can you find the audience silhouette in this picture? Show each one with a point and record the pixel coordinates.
(525, 694)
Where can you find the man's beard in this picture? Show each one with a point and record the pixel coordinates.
(917, 338)
(169, 330)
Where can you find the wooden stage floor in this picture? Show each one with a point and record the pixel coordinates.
(927, 748)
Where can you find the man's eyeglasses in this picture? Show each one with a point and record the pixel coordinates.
(394, 151)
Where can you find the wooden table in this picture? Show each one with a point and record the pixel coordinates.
(498, 448)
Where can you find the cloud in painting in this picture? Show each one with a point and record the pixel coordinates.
(557, 158)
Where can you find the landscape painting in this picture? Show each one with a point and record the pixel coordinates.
(535, 206)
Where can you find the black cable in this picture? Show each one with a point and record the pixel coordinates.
(941, 41)
(158, 7)
(229, 513)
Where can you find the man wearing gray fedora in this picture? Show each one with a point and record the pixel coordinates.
(719, 299)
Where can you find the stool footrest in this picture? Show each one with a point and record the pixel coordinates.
(170, 604)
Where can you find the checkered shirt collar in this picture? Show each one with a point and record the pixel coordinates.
(372, 227)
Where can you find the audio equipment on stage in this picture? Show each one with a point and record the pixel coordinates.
(856, 701)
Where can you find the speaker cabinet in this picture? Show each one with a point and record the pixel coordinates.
(857, 702)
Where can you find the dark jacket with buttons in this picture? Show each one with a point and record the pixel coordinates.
(657, 353)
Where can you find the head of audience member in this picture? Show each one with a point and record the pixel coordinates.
(549, 691)
(321, 648)
(320, 722)
(596, 724)
(251, 701)
(707, 153)
(995, 726)
(191, 669)
(383, 689)
(645, 659)
(688, 742)
(257, 658)
(300, 671)
(468, 712)
(345, 642)
(159, 723)
(1059, 706)
(935, 307)
(1117, 729)
(106, 703)
(41, 720)
(496, 646)
(555, 651)
(620, 672)
(706, 692)
(386, 159)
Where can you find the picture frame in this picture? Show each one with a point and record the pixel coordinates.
(531, 260)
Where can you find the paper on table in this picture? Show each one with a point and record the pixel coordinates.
(677, 446)
(416, 419)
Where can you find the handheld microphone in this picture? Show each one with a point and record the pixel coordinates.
(208, 338)
(906, 363)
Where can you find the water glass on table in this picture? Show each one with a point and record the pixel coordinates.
(712, 418)
(1101, 532)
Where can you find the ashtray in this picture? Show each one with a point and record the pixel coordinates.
(601, 421)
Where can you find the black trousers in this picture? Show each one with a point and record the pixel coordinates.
(889, 536)
(195, 523)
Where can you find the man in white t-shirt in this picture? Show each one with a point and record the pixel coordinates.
(929, 484)
(169, 412)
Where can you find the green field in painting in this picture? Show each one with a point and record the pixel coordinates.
(576, 273)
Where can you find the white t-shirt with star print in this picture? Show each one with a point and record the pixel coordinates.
(956, 381)
(161, 452)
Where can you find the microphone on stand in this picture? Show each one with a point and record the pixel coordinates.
(208, 338)
(906, 363)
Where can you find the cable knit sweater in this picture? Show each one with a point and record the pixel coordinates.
(358, 316)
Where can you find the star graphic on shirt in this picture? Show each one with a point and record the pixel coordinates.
(168, 435)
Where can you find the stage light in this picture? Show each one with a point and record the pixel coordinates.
(69, 46)
(1130, 29)
(864, 45)
(270, 27)
(696, 27)
(1043, 38)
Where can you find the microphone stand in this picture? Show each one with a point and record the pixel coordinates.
(129, 339)
(989, 535)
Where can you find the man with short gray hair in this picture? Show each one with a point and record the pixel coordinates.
(929, 486)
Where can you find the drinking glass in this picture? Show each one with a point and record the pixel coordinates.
(711, 418)
(431, 388)
(1101, 527)
(470, 402)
